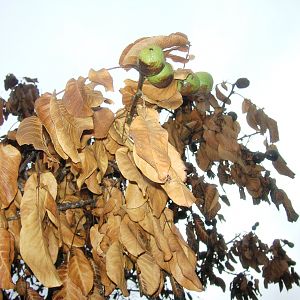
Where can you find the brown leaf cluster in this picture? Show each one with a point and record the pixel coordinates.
(91, 198)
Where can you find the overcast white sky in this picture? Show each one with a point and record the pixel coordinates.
(57, 40)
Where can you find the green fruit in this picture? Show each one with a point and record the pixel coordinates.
(189, 86)
(163, 78)
(206, 82)
(151, 60)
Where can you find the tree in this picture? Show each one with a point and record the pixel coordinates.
(91, 200)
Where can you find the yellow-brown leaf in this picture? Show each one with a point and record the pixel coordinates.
(42, 107)
(10, 159)
(151, 142)
(115, 266)
(33, 245)
(30, 131)
(150, 275)
(128, 168)
(80, 271)
(103, 119)
(68, 128)
(6, 258)
(102, 77)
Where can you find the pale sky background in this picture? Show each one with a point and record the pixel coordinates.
(57, 40)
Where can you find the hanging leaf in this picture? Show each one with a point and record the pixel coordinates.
(10, 159)
(69, 290)
(103, 119)
(129, 240)
(150, 275)
(6, 258)
(68, 129)
(33, 245)
(102, 77)
(178, 191)
(115, 266)
(128, 168)
(30, 131)
(74, 101)
(134, 197)
(88, 165)
(151, 142)
(81, 272)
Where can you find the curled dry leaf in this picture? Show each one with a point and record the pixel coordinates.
(81, 272)
(74, 101)
(102, 77)
(168, 97)
(88, 164)
(134, 197)
(151, 142)
(42, 107)
(103, 119)
(69, 289)
(10, 159)
(115, 266)
(30, 131)
(128, 168)
(33, 245)
(68, 128)
(129, 239)
(6, 258)
(150, 274)
(178, 191)
(131, 52)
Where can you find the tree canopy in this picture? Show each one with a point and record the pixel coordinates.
(95, 203)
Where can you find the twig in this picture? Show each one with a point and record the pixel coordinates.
(248, 135)
(63, 206)
(136, 97)
(26, 161)
(79, 204)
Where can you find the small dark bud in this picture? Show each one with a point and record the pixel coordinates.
(272, 155)
(242, 83)
(233, 115)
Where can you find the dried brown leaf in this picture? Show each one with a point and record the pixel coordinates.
(151, 142)
(102, 77)
(103, 119)
(33, 245)
(6, 258)
(80, 271)
(128, 168)
(115, 266)
(74, 101)
(68, 128)
(30, 131)
(42, 107)
(131, 52)
(150, 274)
(10, 159)
(129, 239)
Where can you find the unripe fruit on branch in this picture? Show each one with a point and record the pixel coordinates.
(151, 60)
(189, 86)
(206, 82)
(163, 78)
